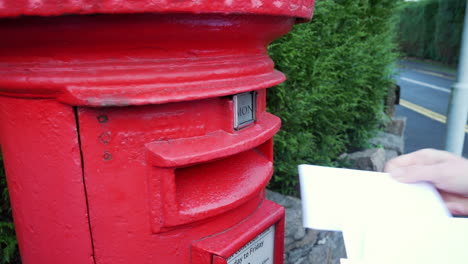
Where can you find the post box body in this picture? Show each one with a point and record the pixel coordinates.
(141, 138)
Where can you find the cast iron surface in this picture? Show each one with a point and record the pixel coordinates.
(298, 8)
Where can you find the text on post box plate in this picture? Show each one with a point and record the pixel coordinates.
(257, 251)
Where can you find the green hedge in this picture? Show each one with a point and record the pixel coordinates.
(339, 69)
(8, 245)
(432, 29)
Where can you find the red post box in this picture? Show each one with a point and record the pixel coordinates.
(136, 131)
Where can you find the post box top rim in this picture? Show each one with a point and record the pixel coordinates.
(302, 9)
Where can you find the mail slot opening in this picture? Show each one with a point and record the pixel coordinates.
(206, 189)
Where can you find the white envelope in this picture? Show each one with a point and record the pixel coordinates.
(382, 220)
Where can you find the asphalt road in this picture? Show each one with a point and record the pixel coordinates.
(425, 95)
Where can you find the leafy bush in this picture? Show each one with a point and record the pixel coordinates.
(432, 29)
(339, 68)
(8, 243)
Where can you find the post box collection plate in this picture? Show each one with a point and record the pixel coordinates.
(257, 251)
(244, 109)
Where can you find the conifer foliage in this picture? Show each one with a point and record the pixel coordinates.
(432, 29)
(339, 69)
(8, 243)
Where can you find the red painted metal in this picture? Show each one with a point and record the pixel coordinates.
(296, 8)
(224, 245)
(118, 60)
(42, 160)
(117, 128)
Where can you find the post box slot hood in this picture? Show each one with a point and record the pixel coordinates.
(197, 193)
(208, 175)
(188, 151)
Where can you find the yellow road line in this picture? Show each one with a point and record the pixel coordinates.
(426, 112)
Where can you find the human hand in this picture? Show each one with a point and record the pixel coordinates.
(446, 171)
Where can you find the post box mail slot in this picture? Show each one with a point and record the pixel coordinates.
(208, 175)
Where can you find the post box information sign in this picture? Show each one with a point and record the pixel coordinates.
(244, 109)
(257, 251)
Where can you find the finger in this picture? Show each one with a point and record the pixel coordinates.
(458, 208)
(451, 176)
(446, 176)
(413, 174)
(420, 157)
(457, 204)
(450, 197)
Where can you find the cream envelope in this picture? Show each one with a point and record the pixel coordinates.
(373, 211)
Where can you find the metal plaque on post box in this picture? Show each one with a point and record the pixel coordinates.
(259, 250)
(244, 109)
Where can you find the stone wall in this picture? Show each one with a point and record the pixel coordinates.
(386, 145)
(306, 246)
